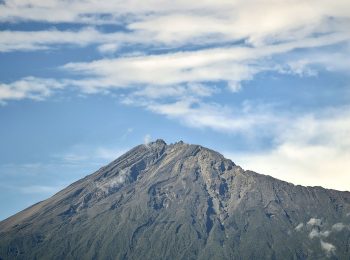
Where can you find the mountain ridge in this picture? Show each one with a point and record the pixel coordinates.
(180, 193)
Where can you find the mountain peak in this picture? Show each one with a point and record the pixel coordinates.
(157, 142)
(160, 141)
(177, 201)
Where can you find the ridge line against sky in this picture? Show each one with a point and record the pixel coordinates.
(264, 82)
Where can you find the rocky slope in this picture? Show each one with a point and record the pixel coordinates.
(180, 201)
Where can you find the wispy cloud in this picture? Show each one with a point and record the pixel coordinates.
(29, 88)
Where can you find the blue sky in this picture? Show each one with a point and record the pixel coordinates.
(266, 83)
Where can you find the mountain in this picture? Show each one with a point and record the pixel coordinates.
(180, 201)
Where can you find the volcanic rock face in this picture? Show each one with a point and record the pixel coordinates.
(180, 201)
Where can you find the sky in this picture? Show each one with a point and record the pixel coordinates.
(264, 82)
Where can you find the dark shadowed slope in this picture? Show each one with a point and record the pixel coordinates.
(180, 201)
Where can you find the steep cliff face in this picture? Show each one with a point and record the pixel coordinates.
(180, 201)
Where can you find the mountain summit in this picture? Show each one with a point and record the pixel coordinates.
(180, 201)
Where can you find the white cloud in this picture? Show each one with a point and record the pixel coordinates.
(29, 87)
(321, 138)
(328, 248)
